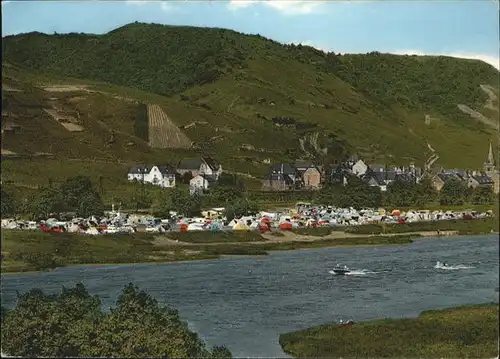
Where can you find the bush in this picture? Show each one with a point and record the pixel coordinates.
(470, 331)
(71, 324)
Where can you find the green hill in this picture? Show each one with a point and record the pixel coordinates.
(241, 98)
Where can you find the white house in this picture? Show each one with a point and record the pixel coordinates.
(200, 166)
(198, 184)
(162, 176)
(359, 168)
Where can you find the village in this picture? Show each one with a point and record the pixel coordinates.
(204, 172)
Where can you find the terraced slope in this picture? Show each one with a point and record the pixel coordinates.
(163, 133)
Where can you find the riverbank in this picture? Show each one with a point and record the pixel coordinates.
(35, 251)
(24, 251)
(468, 331)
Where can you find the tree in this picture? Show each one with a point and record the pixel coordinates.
(44, 203)
(79, 194)
(165, 206)
(71, 324)
(90, 204)
(8, 205)
(358, 194)
(482, 195)
(426, 193)
(454, 192)
(330, 194)
(185, 204)
(239, 207)
(45, 325)
(220, 352)
(74, 189)
(219, 195)
(401, 193)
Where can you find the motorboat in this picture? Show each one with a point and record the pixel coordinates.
(441, 265)
(340, 270)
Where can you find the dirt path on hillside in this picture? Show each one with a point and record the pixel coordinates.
(85, 88)
(478, 116)
(491, 97)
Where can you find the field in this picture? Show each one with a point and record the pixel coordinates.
(163, 133)
(463, 332)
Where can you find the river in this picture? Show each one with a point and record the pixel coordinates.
(245, 303)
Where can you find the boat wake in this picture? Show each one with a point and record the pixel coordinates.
(443, 266)
(355, 272)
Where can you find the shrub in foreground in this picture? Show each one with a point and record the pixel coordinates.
(463, 332)
(71, 324)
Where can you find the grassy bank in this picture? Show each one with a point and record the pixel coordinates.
(33, 250)
(263, 248)
(476, 226)
(358, 241)
(317, 232)
(216, 237)
(463, 332)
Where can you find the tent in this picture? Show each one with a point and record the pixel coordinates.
(286, 226)
(184, 227)
(195, 227)
(73, 228)
(240, 227)
(396, 212)
(232, 223)
(215, 226)
(92, 231)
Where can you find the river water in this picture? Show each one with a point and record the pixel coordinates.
(245, 303)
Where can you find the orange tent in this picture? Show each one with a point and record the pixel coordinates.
(286, 226)
(184, 227)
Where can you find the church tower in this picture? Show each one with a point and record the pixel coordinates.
(489, 164)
